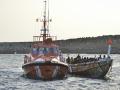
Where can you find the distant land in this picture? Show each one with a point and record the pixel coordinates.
(88, 45)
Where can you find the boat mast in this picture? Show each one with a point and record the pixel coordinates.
(44, 22)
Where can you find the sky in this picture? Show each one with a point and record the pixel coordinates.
(70, 18)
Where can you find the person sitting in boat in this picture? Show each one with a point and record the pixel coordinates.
(78, 56)
(104, 56)
(71, 60)
(99, 57)
(74, 61)
(68, 60)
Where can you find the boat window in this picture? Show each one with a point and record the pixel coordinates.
(53, 50)
(34, 51)
(40, 51)
(46, 51)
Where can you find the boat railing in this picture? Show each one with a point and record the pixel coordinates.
(40, 38)
(27, 59)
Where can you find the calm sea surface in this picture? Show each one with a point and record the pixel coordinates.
(11, 77)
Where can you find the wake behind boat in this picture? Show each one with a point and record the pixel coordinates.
(45, 60)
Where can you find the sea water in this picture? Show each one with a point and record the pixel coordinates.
(11, 77)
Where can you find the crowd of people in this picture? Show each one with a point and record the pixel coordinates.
(81, 59)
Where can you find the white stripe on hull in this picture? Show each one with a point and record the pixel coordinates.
(38, 71)
(70, 68)
(55, 71)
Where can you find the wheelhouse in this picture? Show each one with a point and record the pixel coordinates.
(46, 50)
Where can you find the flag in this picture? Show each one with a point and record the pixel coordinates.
(109, 41)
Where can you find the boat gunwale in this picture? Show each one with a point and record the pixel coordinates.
(86, 63)
(45, 63)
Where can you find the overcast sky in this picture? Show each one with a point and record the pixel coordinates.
(70, 18)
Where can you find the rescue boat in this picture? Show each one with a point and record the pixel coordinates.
(45, 61)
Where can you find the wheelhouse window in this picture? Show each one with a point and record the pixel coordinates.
(34, 51)
(40, 50)
(44, 50)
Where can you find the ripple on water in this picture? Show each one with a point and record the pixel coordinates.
(11, 78)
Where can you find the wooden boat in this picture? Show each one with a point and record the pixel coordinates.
(96, 67)
(45, 61)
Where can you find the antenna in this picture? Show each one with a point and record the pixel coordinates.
(49, 20)
(44, 22)
(48, 15)
(45, 28)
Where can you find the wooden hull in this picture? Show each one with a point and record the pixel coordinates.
(45, 71)
(93, 70)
